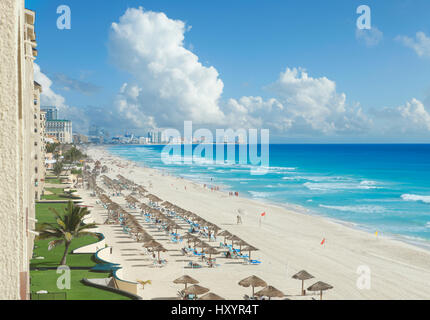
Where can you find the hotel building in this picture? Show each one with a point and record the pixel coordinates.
(60, 129)
(21, 147)
(51, 112)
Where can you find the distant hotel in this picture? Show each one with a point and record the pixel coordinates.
(51, 112)
(60, 129)
(57, 128)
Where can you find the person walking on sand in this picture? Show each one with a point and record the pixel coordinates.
(239, 219)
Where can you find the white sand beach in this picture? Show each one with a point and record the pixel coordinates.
(287, 241)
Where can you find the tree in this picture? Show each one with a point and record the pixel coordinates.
(50, 147)
(73, 155)
(58, 168)
(68, 226)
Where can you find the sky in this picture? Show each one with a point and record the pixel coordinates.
(301, 69)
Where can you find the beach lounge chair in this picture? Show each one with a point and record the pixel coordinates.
(253, 262)
(194, 265)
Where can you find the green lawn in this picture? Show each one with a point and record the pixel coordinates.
(43, 214)
(53, 181)
(53, 256)
(57, 194)
(47, 280)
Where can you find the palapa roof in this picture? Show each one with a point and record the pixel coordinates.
(270, 292)
(196, 289)
(320, 286)
(211, 250)
(249, 248)
(211, 296)
(185, 279)
(252, 281)
(159, 248)
(302, 275)
(152, 244)
(224, 233)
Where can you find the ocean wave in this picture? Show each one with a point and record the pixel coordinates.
(257, 194)
(358, 209)
(337, 186)
(415, 197)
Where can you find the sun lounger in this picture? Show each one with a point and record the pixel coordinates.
(194, 265)
(253, 262)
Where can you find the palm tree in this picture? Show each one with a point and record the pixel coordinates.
(58, 168)
(70, 225)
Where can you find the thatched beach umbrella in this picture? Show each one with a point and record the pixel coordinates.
(211, 296)
(241, 243)
(252, 281)
(302, 275)
(210, 251)
(270, 292)
(196, 290)
(144, 237)
(249, 249)
(224, 234)
(320, 286)
(159, 249)
(188, 237)
(151, 244)
(233, 238)
(203, 245)
(185, 279)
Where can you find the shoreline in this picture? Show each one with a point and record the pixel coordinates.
(288, 240)
(417, 242)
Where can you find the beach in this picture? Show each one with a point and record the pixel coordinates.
(288, 241)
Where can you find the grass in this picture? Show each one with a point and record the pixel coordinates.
(47, 279)
(53, 180)
(52, 257)
(57, 194)
(45, 215)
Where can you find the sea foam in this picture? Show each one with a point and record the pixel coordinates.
(415, 197)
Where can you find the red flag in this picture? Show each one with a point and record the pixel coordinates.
(263, 214)
(323, 241)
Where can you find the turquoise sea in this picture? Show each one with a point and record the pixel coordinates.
(384, 188)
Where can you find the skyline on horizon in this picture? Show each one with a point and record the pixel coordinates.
(141, 64)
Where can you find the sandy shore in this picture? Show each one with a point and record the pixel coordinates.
(287, 241)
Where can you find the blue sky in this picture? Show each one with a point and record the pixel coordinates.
(249, 43)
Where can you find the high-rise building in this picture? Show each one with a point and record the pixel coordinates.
(51, 112)
(156, 136)
(21, 147)
(60, 129)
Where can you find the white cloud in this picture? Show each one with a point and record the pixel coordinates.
(421, 43)
(48, 96)
(173, 84)
(315, 104)
(416, 114)
(169, 85)
(410, 118)
(370, 37)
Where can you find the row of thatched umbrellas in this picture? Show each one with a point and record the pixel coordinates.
(252, 281)
(271, 292)
(196, 289)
